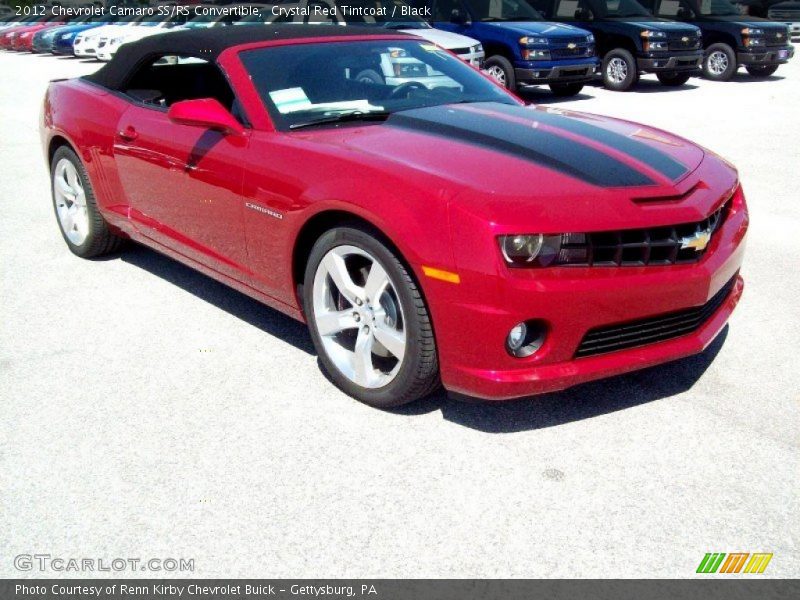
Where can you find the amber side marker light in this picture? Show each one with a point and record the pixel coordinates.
(442, 275)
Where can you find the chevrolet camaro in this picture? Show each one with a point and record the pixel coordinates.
(428, 235)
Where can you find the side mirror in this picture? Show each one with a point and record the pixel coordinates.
(458, 17)
(205, 112)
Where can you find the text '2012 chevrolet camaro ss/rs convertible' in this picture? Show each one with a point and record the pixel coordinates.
(429, 227)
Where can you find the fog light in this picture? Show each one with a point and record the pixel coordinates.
(516, 337)
(525, 338)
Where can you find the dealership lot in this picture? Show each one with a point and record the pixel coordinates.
(151, 412)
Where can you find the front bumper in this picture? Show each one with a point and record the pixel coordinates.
(690, 61)
(572, 301)
(773, 56)
(546, 72)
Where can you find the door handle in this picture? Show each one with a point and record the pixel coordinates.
(128, 134)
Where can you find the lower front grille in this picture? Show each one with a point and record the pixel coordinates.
(651, 330)
(570, 52)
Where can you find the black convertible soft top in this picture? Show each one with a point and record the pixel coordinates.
(209, 43)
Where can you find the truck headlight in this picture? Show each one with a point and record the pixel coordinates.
(752, 31)
(655, 46)
(653, 35)
(533, 41)
(529, 54)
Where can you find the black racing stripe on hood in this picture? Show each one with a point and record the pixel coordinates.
(542, 147)
(653, 158)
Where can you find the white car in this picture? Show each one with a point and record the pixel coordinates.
(110, 41)
(466, 48)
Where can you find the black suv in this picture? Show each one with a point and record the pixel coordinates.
(730, 39)
(631, 40)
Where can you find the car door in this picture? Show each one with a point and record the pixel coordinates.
(184, 185)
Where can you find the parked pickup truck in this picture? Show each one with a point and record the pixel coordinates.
(631, 41)
(730, 40)
(521, 48)
(774, 10)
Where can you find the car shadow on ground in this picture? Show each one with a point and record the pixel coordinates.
(239, 305)
(650, 86)
(747, 78)
(545, 96)
(537, 412)
(575, 404)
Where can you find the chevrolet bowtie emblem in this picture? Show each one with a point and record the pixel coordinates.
(684, 39)
(572, 46)
(697, 241)
(780, 35)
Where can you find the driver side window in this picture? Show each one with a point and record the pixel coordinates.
(167, 79)
(443, 10)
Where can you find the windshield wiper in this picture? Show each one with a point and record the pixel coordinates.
(344, 118)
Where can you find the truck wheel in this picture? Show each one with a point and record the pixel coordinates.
(564, 90)
(369, 76)
(502, 71)
(619, 70)
(673, 79)
(759, 71)
(719, 62)
(83, 227)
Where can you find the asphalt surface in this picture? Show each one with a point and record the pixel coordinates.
(148, 411)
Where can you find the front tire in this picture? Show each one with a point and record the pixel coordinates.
(368, 320)
(719, 62)
(83, 227)
(761, 72)
(565, 90)
(369, 76)
(502, 71)
(620, 72)
(673, 79)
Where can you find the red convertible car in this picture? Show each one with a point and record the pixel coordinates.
(430, 228)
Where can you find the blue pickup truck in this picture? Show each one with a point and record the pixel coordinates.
(522, 49)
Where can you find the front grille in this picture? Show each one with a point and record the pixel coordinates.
(654, 329)
(578, 51)
(460, 50)
(691, 42)
(784, 14)
(640, 247)
(774, 40)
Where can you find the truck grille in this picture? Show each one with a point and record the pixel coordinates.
(785, 14)
(578, 51)
(640, 247)
(777, 37)
(651, 330)
(686, 41)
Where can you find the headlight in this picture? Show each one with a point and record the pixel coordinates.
(590, 39)
(655, 46)
(533, 41)
(539, 250)
(67, 36)
(476, 49)
(116, 40)
(652, 35)
(536, 55)
(752, 31)
(749, 41)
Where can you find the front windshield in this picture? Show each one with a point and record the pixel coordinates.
(689, 8)
(301, 83)
(585, 10)
(719, 8)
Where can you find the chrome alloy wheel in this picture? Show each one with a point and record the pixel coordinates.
(70, 198)
(617, 70)
(359, 318)
(717, 62)
(497, 74)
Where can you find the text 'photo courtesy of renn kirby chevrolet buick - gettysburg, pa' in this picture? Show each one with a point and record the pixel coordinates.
(403, 289)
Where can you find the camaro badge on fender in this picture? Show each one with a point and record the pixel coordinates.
(264, 210)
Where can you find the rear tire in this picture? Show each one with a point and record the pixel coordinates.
(502, 71)
(673, 79)
(760, 72)
(719, 62)
(368, 319)
(82, 226)
(565, 90)
(620, 72)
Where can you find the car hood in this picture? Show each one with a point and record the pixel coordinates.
(445, 39)
(552, 30)
(738, 21)
(106, 30)
(658, 24)
(502, 158)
